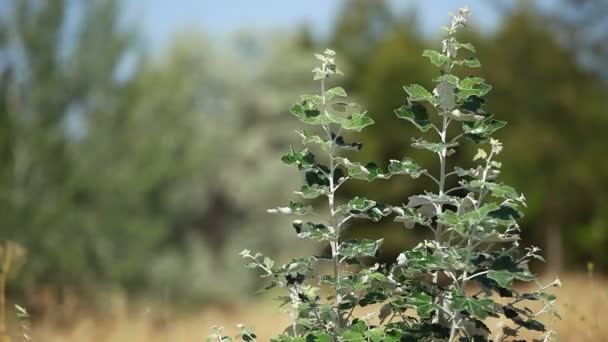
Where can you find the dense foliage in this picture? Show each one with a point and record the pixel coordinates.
(445, 288)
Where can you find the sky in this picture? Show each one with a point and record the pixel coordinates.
(160, 19)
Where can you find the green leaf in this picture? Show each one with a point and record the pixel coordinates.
(415, 114)
(417, 92)
(478, 215)
(471, 63)
(423, 303)
(436, 57)
(498, 190)
(294, 208)
(449, 78)
(333, 92)
(452, 219)
(434, 147)
(462, 115)
(313, 231)
(405, 166)
(312, 191)
(481, 131)
(481, 90)
(339, 141)
(369, 171)
(306, 111)
(352, 336)
(533, 324)
(429, 198)
(356, 121)
(502, 278)
(304, 159)
(506, 213)
(410, 217)
(469, 83)
(467, 46)
(308, 138)
(363, 208)
(480, 308)
(360, 204)
(319, 337)
(360, 248)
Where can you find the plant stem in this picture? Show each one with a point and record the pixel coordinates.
(335, 252)
(439, 207)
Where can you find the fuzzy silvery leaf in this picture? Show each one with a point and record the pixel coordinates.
(470, 82)
(360, 204)
(339, 141)
(410, 217)
(308, 138)
(312, 191)
(449, 78)
(502, 278)
(474, 217)
(467, 204)
(422, 302)
(481, 154)
(333, 92)
(416, 114)
(436, 57)
(460, 115)
(480, 131)
(452, 220)
(368, 172)
(405, 166)
(356, 121)
(419, 200)
(294, 208)
(313, 231)
(470, 62)
(431, 146)
(360, 248)
(506, 213)
(499, 190)
(306, 111)
(466, 46)
(480, 308)
(304, 159)
(480, 90)
(428, 257)
(361, 207)
(310, 113)
(417, 92)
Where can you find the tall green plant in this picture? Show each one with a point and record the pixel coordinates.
(444, 289)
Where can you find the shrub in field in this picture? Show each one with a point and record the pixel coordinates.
(444, 289)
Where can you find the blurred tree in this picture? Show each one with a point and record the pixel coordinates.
(580, 25)
(57, 73)
(213, 120)
(360, 27)
(541, 84)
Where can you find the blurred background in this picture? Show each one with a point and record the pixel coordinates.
(140, 145)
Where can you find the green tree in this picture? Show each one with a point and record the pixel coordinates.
(56, 76)
(556, 111)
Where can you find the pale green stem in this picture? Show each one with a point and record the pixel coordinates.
(335, 252)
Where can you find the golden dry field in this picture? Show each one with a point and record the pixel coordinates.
(583, 305)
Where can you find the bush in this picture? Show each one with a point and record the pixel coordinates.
(451, 282)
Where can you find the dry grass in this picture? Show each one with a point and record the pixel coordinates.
(583, 304)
